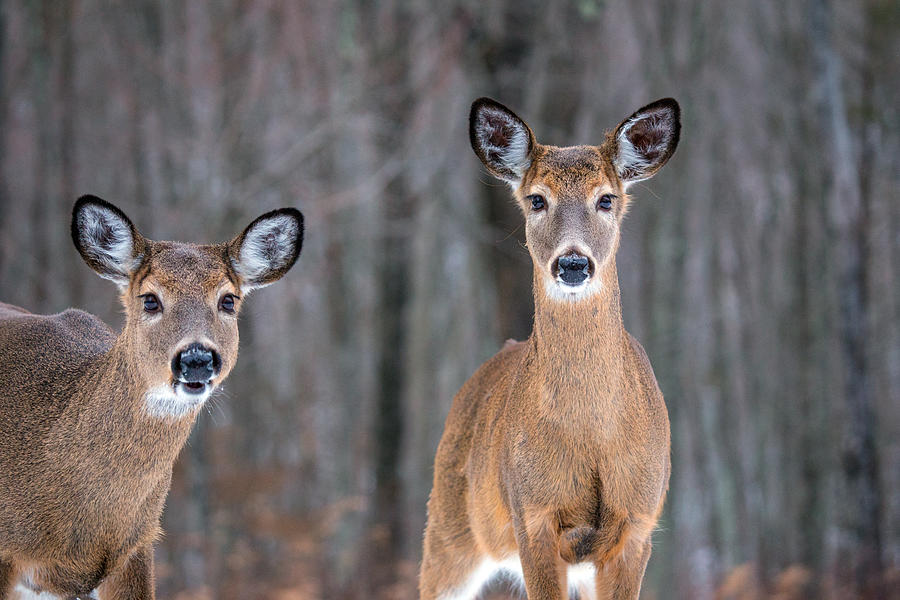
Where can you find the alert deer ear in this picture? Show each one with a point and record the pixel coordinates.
(106, 239)
(502, 140)
(646, 140)
(268, 248)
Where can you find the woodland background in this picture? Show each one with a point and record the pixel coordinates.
(759, 269)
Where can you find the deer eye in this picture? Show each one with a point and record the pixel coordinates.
(227, 303)
(537, 202)
(151, 303)
(605, 202)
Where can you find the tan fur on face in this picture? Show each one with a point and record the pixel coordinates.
(572, 180)
(189, 281)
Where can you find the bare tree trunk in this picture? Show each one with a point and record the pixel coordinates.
(849, 210)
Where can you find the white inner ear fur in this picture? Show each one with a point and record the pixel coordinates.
(267, 247)
(632, 162)
(108, 240)
(514, 155)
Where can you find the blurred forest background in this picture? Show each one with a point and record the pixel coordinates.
(759, 269)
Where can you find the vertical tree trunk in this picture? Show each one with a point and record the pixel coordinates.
(860, 507)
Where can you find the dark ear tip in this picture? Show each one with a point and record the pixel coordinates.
(289, 211)
(97, 201)
(85, 200)
(484, 101)
(294, 214)
(476, 108)
(298, 216)
(478, 102)
(90, 199)
(100, 202)
(672, 104)
(667, 103)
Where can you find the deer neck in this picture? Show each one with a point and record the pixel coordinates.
(577, 351)
(111, 404)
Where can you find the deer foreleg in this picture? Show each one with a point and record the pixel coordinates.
(537, 536)
(132, 581)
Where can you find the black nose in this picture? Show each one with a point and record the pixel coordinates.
(196, 363)
(573, 268)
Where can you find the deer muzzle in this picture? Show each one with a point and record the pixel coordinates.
(195, 366)
(572, 268)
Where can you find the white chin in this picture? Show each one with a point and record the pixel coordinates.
(563, 292)
(174, 401)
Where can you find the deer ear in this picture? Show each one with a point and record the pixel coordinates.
(502, 140)
(646, 140)
(268, 248)
(106, 239)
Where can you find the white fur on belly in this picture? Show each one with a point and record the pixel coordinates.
(23, 593)
(580, 578)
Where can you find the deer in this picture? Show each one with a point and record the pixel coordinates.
(554, 461)
(91, 421)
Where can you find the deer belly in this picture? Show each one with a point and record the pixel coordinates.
(24, 593)
(580, 577)
(50, 581)
(34, 583)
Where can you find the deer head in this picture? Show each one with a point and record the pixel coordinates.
(573, 198)
(182, 300)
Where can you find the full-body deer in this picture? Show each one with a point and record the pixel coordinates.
(554, 462)
(91, 422)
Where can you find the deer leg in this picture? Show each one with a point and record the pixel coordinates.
(620, 578)
(542, 568)
(133, 580)
(452, 565)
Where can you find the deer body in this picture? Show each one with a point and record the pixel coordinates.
(89, 470)
(555, 457)
(91, 422)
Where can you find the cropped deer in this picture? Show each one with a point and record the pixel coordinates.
(91, 422)
(554, 463)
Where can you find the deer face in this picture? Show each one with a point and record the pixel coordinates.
(573, 198)
(182, 300)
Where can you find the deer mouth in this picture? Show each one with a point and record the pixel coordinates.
(193, 387)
